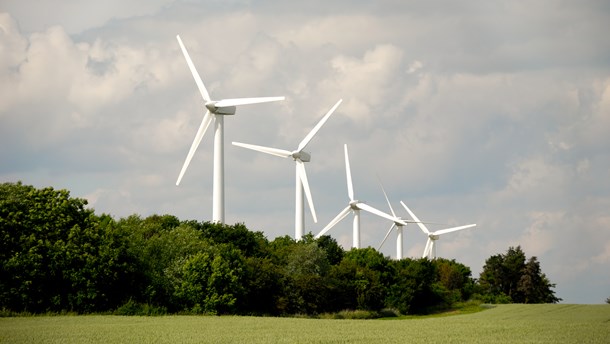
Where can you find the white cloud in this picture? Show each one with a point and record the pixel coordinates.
(367, 82)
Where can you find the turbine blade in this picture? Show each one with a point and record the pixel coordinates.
(204, 92)
(419, 223)
(372, 210)
(305, 183)
(245, 101)
(386, 198)
(453, 229)
(427, 249)
(273, 151)
(386, 236)
(205, 123)
(348, 173)
(334, 221)
(313, 132)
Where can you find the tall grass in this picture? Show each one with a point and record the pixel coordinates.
(501, 324)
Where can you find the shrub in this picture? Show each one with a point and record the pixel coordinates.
(134, 308)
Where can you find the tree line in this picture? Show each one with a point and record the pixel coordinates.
(57, 255)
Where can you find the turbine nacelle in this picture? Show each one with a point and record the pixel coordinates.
(354, 204)
(220, 110)
(433, 236)
(303, 156)
(399, 221)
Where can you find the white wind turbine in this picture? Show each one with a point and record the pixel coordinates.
(300, 157)
(398, 224)
(430, 250)
(354, 206)
(216, 110)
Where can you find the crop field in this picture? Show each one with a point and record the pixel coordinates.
(552, 323)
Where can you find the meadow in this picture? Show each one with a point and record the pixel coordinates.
(514, 323)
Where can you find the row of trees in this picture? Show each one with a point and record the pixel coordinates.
(57, 255)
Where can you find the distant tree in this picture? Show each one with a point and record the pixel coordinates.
(155, 244)
(608, 300)
(454, 281)
(209, 281)
(249, 242)
(281, 249)
(411, 291)
(334, 252)
(263, 287)
(368, 275)
(55, 254)
(304, 278)
(512, 277)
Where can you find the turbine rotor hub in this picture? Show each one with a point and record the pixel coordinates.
(224, 110)
(301, 155)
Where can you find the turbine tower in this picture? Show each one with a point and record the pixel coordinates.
(300, 157)
(430, 249)
(354, 206)
(215, 111)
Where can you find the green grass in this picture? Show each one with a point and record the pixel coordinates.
(500, 324)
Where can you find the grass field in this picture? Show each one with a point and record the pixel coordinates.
(501, 324)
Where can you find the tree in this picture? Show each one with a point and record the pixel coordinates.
(263, 287)
(57, 255)
(155, 244)
(334, 252)
(367, 272)
(238, 235)
(454, 281)
(304, 272)
(209, 281)
(411, 290)
(510, 277)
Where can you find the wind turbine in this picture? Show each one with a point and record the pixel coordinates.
(354, 206)
(430, 250)
(398, 224)
(215, 111)
(300, 157)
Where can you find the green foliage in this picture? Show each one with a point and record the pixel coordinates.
(334, 252)
(250, 243)
(304, 272)
(156, 244)
(412, 291)
(133, 308)
(512, 277)
(209, 281)
(58, 256)
(263, 287)
(55, 254)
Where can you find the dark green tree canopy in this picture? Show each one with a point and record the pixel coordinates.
(56, 255)
(511, 277)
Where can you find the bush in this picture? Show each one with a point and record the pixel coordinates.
(493, 299)
(134, 308)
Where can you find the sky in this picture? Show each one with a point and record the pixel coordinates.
(494, 113)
